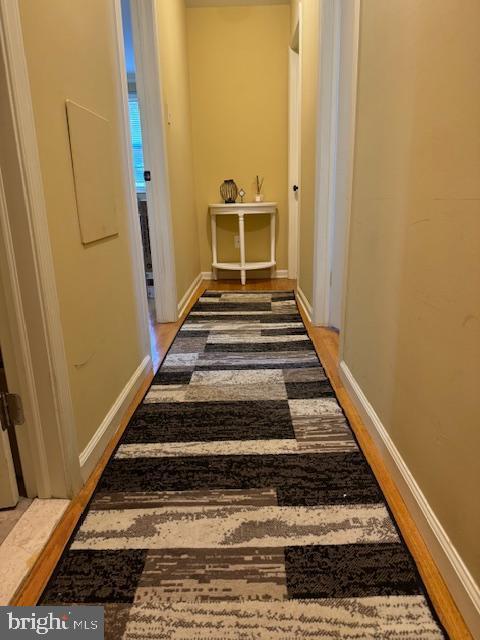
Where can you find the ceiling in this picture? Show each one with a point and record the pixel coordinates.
(231, 3)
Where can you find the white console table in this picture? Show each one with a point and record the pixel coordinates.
(241, 210)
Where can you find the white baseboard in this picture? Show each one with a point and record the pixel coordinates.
(184, 302)
(304, 303)
(102, 436)
(458, 579)
(280, 273)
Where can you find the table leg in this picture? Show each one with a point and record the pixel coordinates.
(272, 243)
(241, 231)
(213, 220)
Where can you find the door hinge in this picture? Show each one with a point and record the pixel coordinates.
(11, 410)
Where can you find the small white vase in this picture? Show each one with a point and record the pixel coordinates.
(259, 197)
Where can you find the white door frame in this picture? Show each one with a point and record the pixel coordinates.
(294, 123)
(150, 99)
(327, 169)
(347, 92)
(28, 277)
(129, 184)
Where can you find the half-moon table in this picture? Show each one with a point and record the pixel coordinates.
(241, 210)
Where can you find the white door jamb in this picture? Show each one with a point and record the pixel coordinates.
(327, 116)
(294, 73)
(328, 171)
(149, 91)
(348, 153)
(129, 185)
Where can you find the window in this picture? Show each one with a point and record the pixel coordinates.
(136, 136)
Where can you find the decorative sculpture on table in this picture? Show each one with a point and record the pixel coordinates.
(259, 194)
(229, 191)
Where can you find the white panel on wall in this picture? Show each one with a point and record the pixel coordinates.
(92, 161)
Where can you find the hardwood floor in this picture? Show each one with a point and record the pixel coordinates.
(326, 344)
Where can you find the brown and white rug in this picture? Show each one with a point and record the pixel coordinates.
(238, 504)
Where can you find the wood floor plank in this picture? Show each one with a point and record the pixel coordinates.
(326, 344)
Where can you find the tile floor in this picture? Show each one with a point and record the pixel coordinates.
(10, 517)
(23, 542)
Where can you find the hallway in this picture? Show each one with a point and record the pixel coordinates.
(296, 456)
(186, 483)
(237, 494)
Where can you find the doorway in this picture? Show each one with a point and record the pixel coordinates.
(9, 428)
(11, 479)
(143, 121)
(336, 105)
(347, 30)
(294, 111)
(141, 176)
(12, 444)
(13, 493)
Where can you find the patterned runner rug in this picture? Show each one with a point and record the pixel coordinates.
(238, 504)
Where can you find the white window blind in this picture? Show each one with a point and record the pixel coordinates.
(137, 146)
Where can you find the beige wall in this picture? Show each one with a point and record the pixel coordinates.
(309, 47)
(239, 95)
(412, 334)
(70, 50)
(294, 11)
(171, 25)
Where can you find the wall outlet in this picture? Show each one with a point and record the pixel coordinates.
(236, 241)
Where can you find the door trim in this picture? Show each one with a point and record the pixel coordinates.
(326, 145)
(152, 116)
(327, 118)
(349, 158)
(129, 185)
(294, 96)
(35, 319)
(16, 355)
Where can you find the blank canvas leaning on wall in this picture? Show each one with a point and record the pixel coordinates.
(92, 162)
